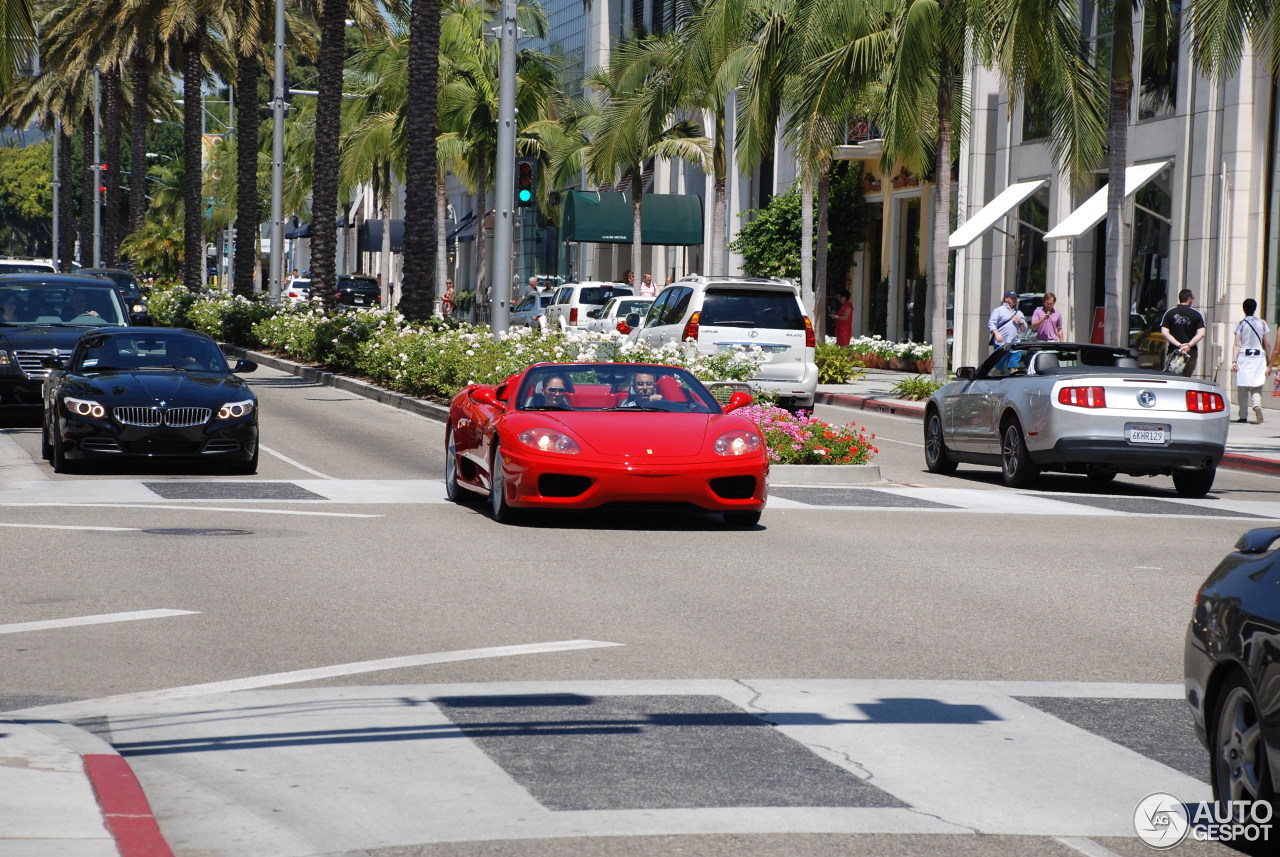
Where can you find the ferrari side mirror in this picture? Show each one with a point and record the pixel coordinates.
(738, 400)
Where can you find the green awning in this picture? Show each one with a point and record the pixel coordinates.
(605, 218)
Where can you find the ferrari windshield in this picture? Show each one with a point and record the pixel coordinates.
(622, 387)
(134, 350)
(81, 305)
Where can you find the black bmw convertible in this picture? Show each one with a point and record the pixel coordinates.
(149, 393)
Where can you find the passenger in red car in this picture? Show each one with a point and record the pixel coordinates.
(555, 394)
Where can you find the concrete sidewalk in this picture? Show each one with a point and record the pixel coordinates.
(64, 792)
(1250, 446)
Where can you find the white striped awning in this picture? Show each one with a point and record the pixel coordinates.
(1010, 198)
(1094, 209)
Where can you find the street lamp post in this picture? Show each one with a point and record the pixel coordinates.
(508, 32)
(277, 162)
(97, 179)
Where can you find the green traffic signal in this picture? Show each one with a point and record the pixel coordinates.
(525, 196)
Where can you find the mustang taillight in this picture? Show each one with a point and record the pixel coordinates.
(549, 440)
(1199, 402)
(1083, 397)
(809, 341)
(738, 443)
(623, 327)
(691, 329)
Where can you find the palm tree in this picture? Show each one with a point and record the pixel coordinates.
(420, 149)
(1036, 46)
(17, 37)
(632, 119)
(1219, 29)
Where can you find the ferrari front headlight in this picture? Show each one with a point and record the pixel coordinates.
(84, 408)
(235, 410)
(549, 440)
(738, 443)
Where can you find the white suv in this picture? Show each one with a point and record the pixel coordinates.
(573, 300)
(720, 312)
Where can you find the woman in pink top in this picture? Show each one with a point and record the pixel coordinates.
(1047, 321)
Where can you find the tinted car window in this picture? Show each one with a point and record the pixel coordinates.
(659, 306)
(525, 304)
(776, 310)
(563, 295)
(625, 308)
(678, 305)
(600, 294)
(82, 304)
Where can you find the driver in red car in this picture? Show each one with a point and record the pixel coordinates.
(644, 388)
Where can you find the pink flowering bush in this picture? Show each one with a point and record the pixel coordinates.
(801, 439)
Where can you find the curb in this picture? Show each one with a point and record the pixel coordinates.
(1230, 460)
(823, 474)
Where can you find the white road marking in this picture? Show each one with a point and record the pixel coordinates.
(69, 527)
(100, 619)
(966, 757)
(188, 509)
(1085, 846)
(89, 706)
(287, 460)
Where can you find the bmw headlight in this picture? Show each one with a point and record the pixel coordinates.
(738, 443)
(549, 440)
(236, 410)
(84, 408)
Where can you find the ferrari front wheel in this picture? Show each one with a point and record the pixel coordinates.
(502, 511)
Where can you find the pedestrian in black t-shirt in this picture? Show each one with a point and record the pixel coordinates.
(1183, 328)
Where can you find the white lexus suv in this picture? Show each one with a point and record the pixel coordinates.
(720, 312)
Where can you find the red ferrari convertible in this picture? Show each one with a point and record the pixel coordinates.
(585, 435)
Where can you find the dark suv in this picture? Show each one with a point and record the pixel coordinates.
(358, 290)
(43, 315)
(127, 283)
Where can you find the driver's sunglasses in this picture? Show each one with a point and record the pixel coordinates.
(557, 390)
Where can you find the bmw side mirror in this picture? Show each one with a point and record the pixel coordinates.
(244, 366)
(965, 373)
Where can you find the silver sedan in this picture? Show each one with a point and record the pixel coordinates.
(1077, 408)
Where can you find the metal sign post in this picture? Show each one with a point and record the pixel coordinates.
(500, 295)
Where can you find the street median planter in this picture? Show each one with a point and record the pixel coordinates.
(824, 474)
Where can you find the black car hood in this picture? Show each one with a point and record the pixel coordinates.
(147, 388)
(42, 337)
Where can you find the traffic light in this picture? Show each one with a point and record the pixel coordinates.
(526, 176)
(102, 179)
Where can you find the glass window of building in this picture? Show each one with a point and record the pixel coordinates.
(1159, 91)
(1149, 268)
(1271, 286)
(1033, 250)
(566, 41)
(1096, 25)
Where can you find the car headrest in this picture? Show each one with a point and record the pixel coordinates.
(1045, 364)
(1127, 362)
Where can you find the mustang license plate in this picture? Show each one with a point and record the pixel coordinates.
(1145, 433)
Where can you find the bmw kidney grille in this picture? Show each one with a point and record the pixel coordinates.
(174, 417)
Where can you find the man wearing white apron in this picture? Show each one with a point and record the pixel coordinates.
(1251, 361)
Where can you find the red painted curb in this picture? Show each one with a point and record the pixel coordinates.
(1266, 466)
(125, 807)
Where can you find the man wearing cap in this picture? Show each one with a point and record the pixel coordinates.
(1006, 322)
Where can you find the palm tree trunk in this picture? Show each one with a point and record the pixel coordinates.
(386, 223)
(442, 244)
(66, 236)
(718, 264)
(88, 181)
(1114, 272)
(806, 243)
(139, 123)
(420, 224)
(821, 242)
(637, 242)
(941, 223)
(111, 156)
(193, 261)
(248, 212)
(324, 192)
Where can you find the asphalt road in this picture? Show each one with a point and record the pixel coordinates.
(1019, 653)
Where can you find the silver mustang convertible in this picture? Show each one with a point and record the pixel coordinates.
(1077, 408)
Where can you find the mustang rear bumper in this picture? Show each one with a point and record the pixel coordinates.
(731, 485)
(1119, 454)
